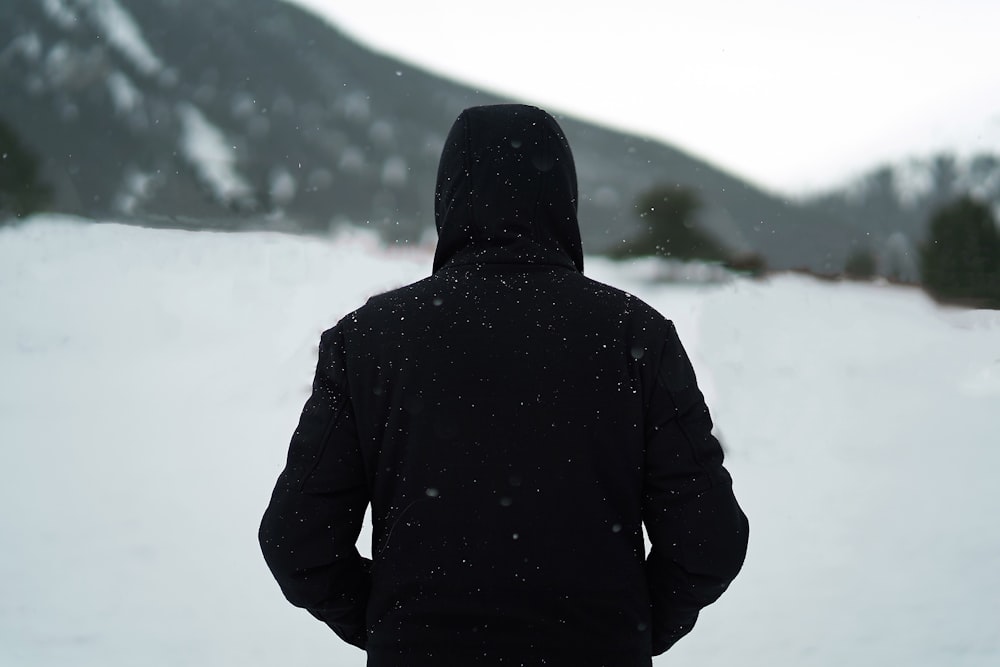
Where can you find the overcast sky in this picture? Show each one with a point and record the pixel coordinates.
(794, 94)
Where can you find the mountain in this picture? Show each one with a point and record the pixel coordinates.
(894, 202)
(249, 114)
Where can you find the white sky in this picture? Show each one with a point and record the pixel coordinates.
(793, 95)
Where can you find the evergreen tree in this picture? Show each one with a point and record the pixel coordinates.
(861, 265)
(960, 262)
(672, 229)
(21, 191)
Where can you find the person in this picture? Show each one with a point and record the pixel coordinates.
(514, 425)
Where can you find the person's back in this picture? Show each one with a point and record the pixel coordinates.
(513, 424)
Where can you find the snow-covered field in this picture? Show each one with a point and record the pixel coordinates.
(149, 381)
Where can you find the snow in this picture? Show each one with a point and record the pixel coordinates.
(355, 106)
(151, 380)
(205, 148)
(124, 94)
(61, 14)
(28, 45)
(913, 180)
(984, 184)
(123, 33)
(137, 187)
(352, 159)
(282, 185)
(382, 132)
(59, 63)
(394, 171)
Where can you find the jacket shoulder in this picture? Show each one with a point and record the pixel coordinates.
(629, 304)
(385, 303)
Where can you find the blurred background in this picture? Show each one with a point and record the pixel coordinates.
(191, 191)
(821, 137)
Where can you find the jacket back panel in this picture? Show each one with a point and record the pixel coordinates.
(500, 416)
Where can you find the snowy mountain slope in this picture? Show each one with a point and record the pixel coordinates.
(151, 380)
(155, 110)
(254, 114)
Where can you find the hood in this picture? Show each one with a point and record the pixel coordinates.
(506, 190)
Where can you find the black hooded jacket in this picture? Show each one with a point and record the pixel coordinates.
(513, 425)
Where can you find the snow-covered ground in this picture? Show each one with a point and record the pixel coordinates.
(149, 381)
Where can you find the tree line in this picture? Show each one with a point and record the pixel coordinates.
(959, 261)
(22, 191)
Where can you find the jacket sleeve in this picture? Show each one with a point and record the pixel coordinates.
(698, 532)
(309, 530)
